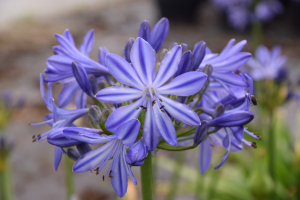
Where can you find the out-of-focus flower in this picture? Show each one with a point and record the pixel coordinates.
(267, 10)
(267, 64)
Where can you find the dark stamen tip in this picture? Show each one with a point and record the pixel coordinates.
(103, 178)
(253, 144)
(259, 137)
(33, 136)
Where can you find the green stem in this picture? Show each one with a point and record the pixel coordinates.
(271, 150)
(146, 178)
(257, 35)
(175, 177)
(69, 177)
(5, 180)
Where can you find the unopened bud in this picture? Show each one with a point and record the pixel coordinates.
(74, 155)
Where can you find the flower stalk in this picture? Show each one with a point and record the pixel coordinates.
(69, 177)
(146, 178)
(5, 179)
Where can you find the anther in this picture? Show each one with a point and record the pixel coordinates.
(34, 140)
(145, 108)
(253, 99)
(110, 176)
(160, 100)
(253, 144)
(153, 102)
(162, 111)
(97, 172)
(162, 107)
(103, 178)
(237, 72)
(259, 137)
(137, 108)
(33, 136)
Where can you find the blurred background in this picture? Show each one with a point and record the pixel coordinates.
(27, 31)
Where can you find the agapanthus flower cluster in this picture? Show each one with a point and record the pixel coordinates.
(144, 102)
(240, 13)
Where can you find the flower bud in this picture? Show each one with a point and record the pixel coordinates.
(94, 114)
(74, 155)
(137, 153)
(200, 133)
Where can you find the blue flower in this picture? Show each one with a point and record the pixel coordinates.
(114, 148)
(60, 68)
(267, 10)
(225, 67)
(148, 88)
(266, 64)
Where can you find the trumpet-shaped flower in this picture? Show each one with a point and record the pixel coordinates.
(149, 88)
(114, 148)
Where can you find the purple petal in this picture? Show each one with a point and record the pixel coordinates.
(80, 100)
(168, 66)
(233, 63)
(92, 159)
(226, 145)
(200, 133)
(127, 49)
(124, 114)
(88, 42)
(159, 33)
(128, 131)
(83, 148)
(119, 181)
(145, 30)
(67, 34)
(57, 157)
(82, 135)
(164, 125)
(123, 71)
(117, 94)
(150, 132)
(184, 85)
(102, 55)
(198, 54)
(180, 111)
(67, 93)
(231, 79)
(82, 78)
(262, 53)
(185, 64)
(238, 132)
(205, 154)
(143, 60)
(236, 118)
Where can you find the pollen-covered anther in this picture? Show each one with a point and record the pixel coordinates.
(103, 178)
(34, 140)
(253, 144)
(97, 172)
(153, 102)
(161, 107)
(33, 136)
(161, 100)
(253, 99)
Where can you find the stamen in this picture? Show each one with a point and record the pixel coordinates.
(103, 178)
(257, 136)
(162, 111)
(153, 102)
(33, 136)
(161, 107)
(253, 144)
(110, 176)
(34, 140)
(160, 99)
(253, 99)
(97, 172)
